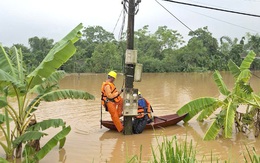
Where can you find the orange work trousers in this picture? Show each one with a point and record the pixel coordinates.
(115, 109)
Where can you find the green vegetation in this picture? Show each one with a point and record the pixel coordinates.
(252, 157)
(29, 88)
(172, 151)
(242, 94)
(161, 51)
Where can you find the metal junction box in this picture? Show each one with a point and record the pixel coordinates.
(138, 72)
(130, 102)
(131, 56)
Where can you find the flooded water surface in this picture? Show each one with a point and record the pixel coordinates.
(167, 92)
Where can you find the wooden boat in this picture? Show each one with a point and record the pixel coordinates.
(159, 121)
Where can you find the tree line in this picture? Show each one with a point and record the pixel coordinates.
(162, 51)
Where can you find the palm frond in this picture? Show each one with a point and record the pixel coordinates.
(228, 39)
(220, 83)
(235, 70)
(66, 94)
(195, 106)
(213, 131)
(247, 61)
(57, 56)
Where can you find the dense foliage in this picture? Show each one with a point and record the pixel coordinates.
(161, 51)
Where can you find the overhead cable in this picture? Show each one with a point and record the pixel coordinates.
(117, 20)
(174, 15)
(224, 21)
(212, 8)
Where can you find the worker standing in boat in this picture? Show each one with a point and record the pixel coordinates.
(144, 115)
(112, 100)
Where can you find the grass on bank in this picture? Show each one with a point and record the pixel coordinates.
(171, 151)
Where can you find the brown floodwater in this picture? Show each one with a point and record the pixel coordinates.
(167, 92)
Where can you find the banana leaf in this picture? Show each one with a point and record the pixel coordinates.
(28, 136)
(235, 70)
(18, 64)
(229, 120)
(244, 76)
(213, 131)
(3, 102)
(45, 124)
(3, 119)
(4, 146)
(195, 106)
(36, 102)
(52, 143)
(62, 143)
(2, 160)
(66, 94)
(6, 64)
(209, 110)
(246, 63)
(51, 81)
(5, 77)
(245, 90)
(220, 83)
(57, 56)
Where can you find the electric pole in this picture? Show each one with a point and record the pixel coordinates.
(129, 68)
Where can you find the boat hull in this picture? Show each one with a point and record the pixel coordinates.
(159, 121)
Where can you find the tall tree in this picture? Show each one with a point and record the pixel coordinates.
(105, 57)
(231, 50)
(210, 43)
(39, 47)
(93, 36)
(97, 34)
(168, 38)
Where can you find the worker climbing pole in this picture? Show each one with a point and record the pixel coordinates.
(130, 94)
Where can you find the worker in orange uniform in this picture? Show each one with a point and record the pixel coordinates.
(112, 101)
(144, 116)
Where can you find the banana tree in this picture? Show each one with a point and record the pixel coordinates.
(226, 114)
(29, 89)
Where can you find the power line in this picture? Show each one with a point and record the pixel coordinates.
(174, 15)
(117, 20)
(212, 8)
(224, 21)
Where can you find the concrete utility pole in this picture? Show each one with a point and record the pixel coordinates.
(129, 68)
